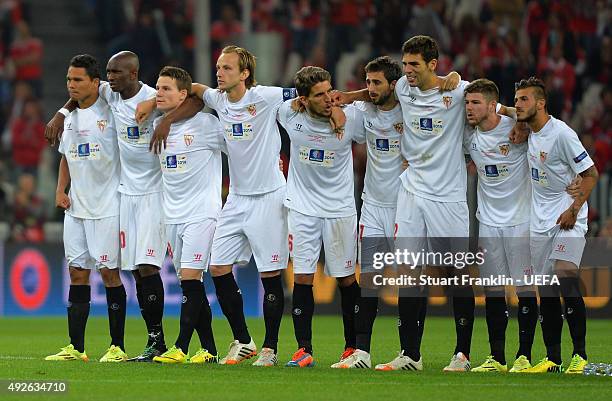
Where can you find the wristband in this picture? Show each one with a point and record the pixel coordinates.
(64, 111)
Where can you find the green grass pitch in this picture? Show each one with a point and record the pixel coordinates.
(25, 341)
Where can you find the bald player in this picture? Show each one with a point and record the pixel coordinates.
(142, 235)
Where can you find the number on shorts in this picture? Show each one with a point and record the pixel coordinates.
(361, 227)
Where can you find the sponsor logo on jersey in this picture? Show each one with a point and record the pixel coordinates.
(298, 127)
(580, 157)
(382, 144)
(369, 124)
(102, 124)
(171, 161)
(539, 176)
(252, 109)
(560, 248)
(399, 127)
(239, 132)
(316, 155)
(428, 125)
(493, 170)
(543, 156)
(133, 132)
(289, 93)
(504, 149)
(188, 139)
(412, 98)
(83, 150)
(447, 100)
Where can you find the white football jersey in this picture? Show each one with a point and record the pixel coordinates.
(555, 157)
(252, 137)
(320, 181)
(383, 132)
(504, 190)
(434, 124)
(140, 172)
(89, 143)
(191, 169)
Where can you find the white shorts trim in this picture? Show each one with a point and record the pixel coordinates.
(90, 244)
(338, 235)
(253, 225)
(376, 226)
(189, 244)
(556, 244)
(507, 252)
(142, 231)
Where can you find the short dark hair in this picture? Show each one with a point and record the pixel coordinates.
(484, 86)
(533, 82)
(246, 61)
(390, 68)
(89, 63)
(309, 76)
(180, 76)
(426, 46)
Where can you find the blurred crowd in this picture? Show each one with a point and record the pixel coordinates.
(566, 43)
(22, 124)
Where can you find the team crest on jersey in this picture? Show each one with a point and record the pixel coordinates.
(399, 127)
(447, 100)
(504, 149)
(543, 156)
(252, 109)
(188, 139)
(102, 124)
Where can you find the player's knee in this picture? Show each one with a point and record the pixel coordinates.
(220, 270)
(565, 269)
(346, 281)
(79, 276)
(191, 274)
(270, 274)
(147, 270)
(305, 279)
(110, 277)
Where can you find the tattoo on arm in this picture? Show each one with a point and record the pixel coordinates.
(590, 172)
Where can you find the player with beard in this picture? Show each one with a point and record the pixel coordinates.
(558, 223)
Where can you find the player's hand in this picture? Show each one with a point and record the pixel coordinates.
(449, 82)
(405, 164)
(160, 135)
(338, 121)
(54, 128)
(62, 200)
(567, 220)
(144, 110)
(339, 98)
(297, 106)
(520, 133)
(471, 168)
(281, 165)
(573, 189)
